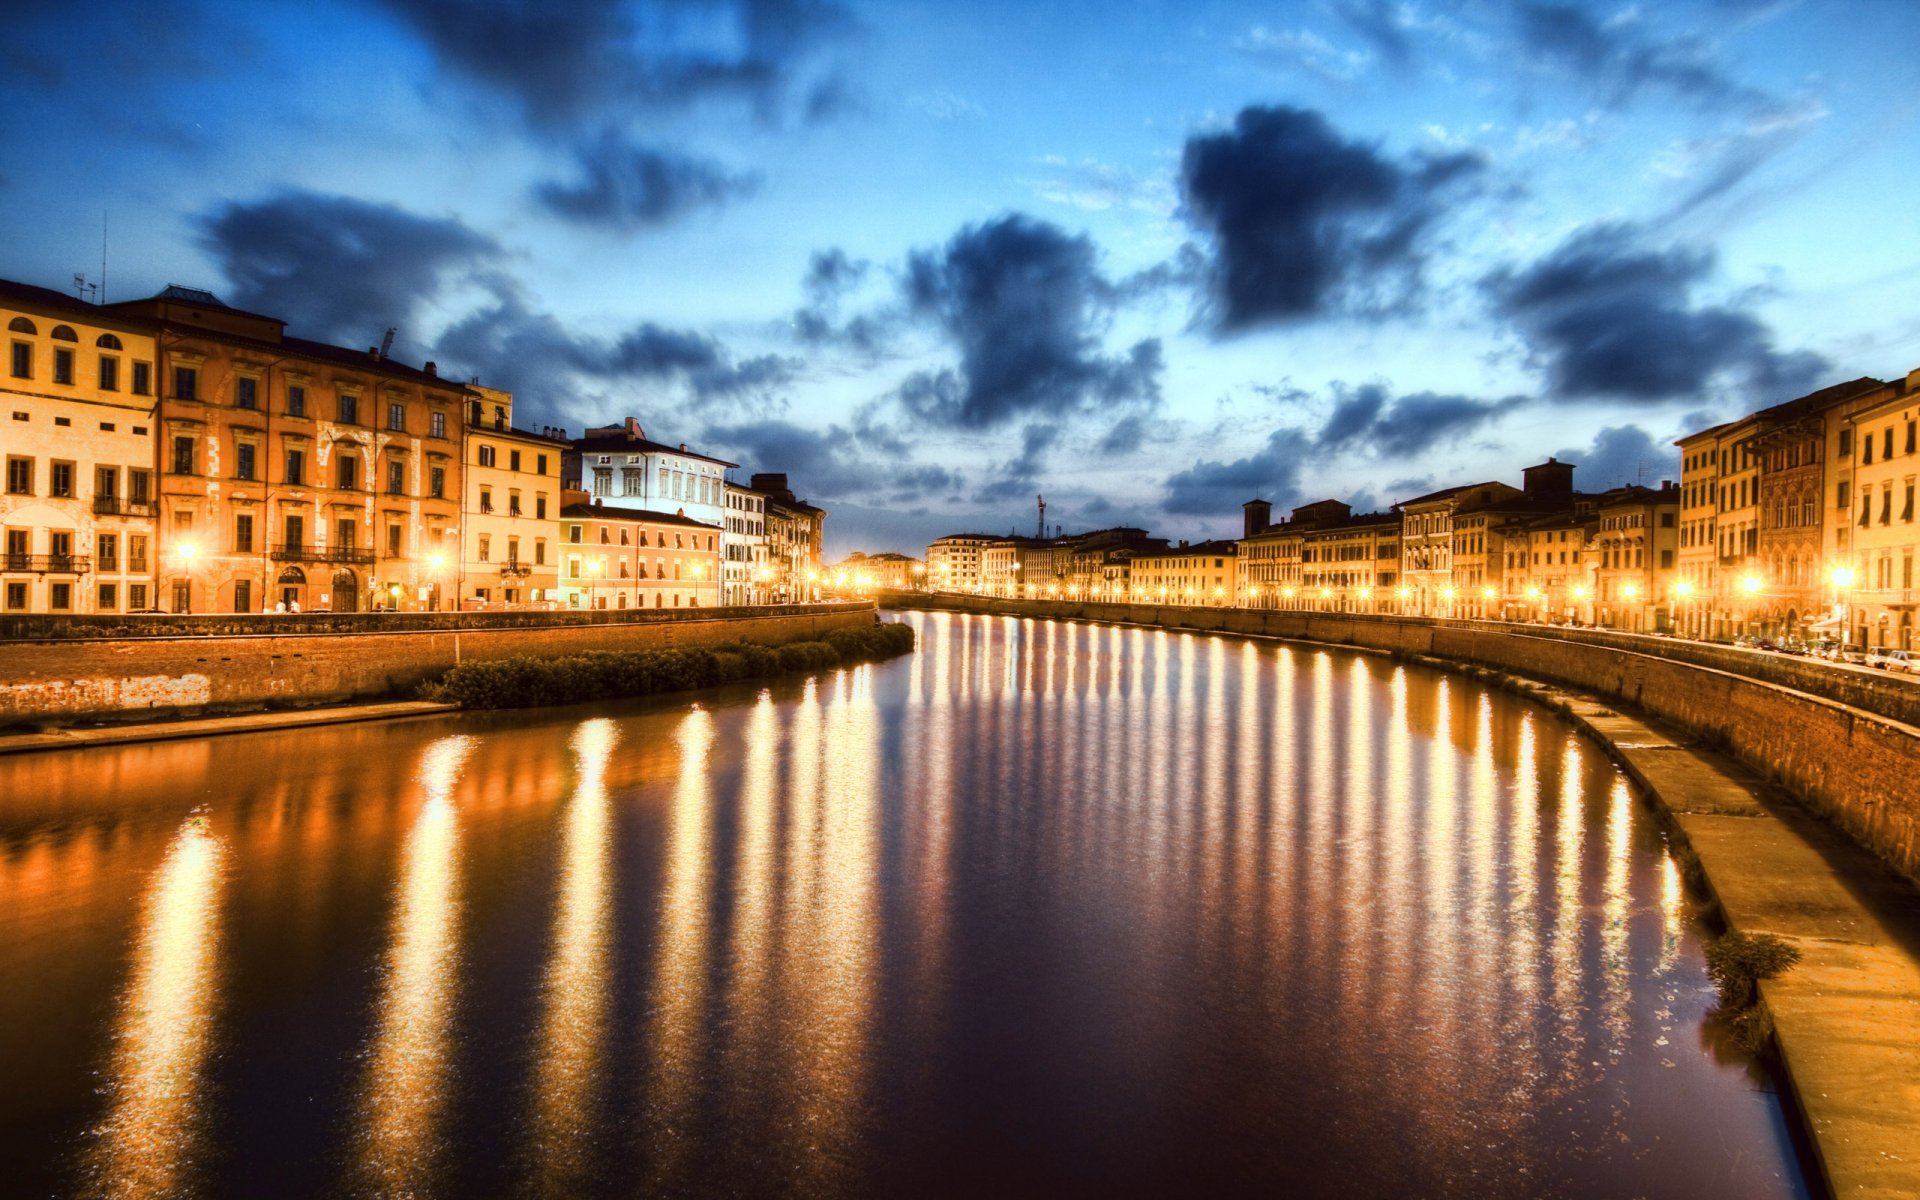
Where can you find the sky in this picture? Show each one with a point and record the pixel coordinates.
(932, 259)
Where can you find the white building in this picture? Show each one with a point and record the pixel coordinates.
(619, 464)
(746, 576)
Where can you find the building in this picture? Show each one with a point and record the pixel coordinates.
(1090, 557)
(1351, 563)
(1428, 540)
(510, 539)
(620, 464)
(885, 571)
(746, 571)
(1634, 553)
(794, 532)
(295, 472)
(1007, 564)
(77, 513)
(1201, 573)
(1555, 575)
(1877, 589)
(617, 558)
(954, 562)
(1269, 570)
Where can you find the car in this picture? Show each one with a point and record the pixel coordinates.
(1891, 660)
(1851, 654)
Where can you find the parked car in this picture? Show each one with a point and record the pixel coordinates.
(1891, 660)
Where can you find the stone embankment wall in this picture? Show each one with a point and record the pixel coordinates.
(1838, 740)
(171, 671)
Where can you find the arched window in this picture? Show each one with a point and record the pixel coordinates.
(64, 333)
(21, 325)
(107, 341)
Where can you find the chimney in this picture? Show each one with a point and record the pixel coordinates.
(432, 368)
(683, 447)
(1259, 516)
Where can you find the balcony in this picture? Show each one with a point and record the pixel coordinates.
(305, 552)
(114, 506)
(47, 564)
(515, 569)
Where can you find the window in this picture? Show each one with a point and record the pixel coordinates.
(60, 479)
(539, 552)
(437, 482)
(296, 401)
(183, 456)
(486, 456)
(396, 477)
(486, 500)
(243, 533)
(142, 379)
(246, 392)
(397, 418)
(1842, 498)
(349, 409)
(243, 596)
(243, 456)
(137, 561)
(109, 598)
(62, 365)
(346, 534)
(513, 501)
(540, 508)
(540, 464)
(1886, 505)
(437, 425)
(109, 373)
(23, 360)
(19, 476)
(16, 595)
(347, 471)
(136, 596)
(1846, 441)
(486, 546)
(186, 383)
(513, 460)
(296, 467)
(1886, 446)
(573, 534)
(396, 541)
(60, 597)
(106, 550)
(513, 550)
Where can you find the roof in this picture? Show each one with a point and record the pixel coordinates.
(624, 444)
(1442, 494)
(609, 512)
(174, 291)
(48, 298)
(358, 360)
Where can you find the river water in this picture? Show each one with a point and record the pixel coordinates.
(1043, 909)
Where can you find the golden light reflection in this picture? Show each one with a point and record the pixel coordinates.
(1569, 842)
(410, 1065)
(155, 1130)
(677, 1035)
(1616, 969)
(573, 1026)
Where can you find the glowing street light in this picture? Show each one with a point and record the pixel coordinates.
(1750, 584)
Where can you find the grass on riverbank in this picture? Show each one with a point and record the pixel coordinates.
(613, 674)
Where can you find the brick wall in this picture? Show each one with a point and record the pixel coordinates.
(124, 678)
(1859, 768)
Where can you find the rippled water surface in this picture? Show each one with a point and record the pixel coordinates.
(1042, 909)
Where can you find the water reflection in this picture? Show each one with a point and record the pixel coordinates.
(571, 1045)
(410, 1065)
(156, 1131)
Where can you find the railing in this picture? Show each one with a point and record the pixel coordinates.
(303, 552)
(515, 568)
(111, 506)
(48, 564)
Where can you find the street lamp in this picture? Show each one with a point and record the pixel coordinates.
(594, 568)
(1843, 580)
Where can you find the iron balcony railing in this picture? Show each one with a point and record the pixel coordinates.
(111, 506)
(306, 552)
(49, 564)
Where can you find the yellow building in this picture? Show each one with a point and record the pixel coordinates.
(1634, 556)
(1202, 573)
(1884, 526)
(511, 509)
(954, 561)
(618, 558)
(78, 506)
(1352, 564)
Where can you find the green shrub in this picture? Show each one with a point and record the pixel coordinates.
(608, 674)
(1738, 961)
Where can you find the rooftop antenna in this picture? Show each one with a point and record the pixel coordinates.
(103, 256)
(1043, 517)
(81, 287)
(386, 343)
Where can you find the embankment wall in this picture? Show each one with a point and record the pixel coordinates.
(1858, 768)
(125, 678)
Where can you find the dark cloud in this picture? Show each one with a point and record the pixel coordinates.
(1366, 418)
(831, 276)
(831, 463)
(1124, 437)
(1025, 303)
(626, 186)
(1383, 23)
(1019, 476)
(1623, 58)
(587, 58)
(1622, 454)
(1215, 488)
(335, 268)
(1305, 223)
(1612, 316)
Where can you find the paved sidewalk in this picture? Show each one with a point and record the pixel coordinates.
(160, 731)
(1847, 1017)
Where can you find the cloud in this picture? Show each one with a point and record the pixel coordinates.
(831, 276)
(562, 63)
(1214, 488)
(625, 186)
(1304, 223)
(1303, 50)
(1019, 476)
(1124, 437)
(832, 463)
(1622, 454)
(512, 345)
(1024, 302)
(1612, 316)
(1384, 23)
(338, 269)
(1366, 418)
(1621, 58)
(1095, 186)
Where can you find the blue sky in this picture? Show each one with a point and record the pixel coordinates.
(930, 259)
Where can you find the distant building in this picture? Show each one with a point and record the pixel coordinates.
(954, 561)
(885, 571)
(794, 533)
(1201, 573)
(1351, 563)
(746, 571)
(511, 515)
(1877, 537)
(620, 464)
(1634, 556)
(1430, 542)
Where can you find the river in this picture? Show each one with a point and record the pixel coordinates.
(1042, 909)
